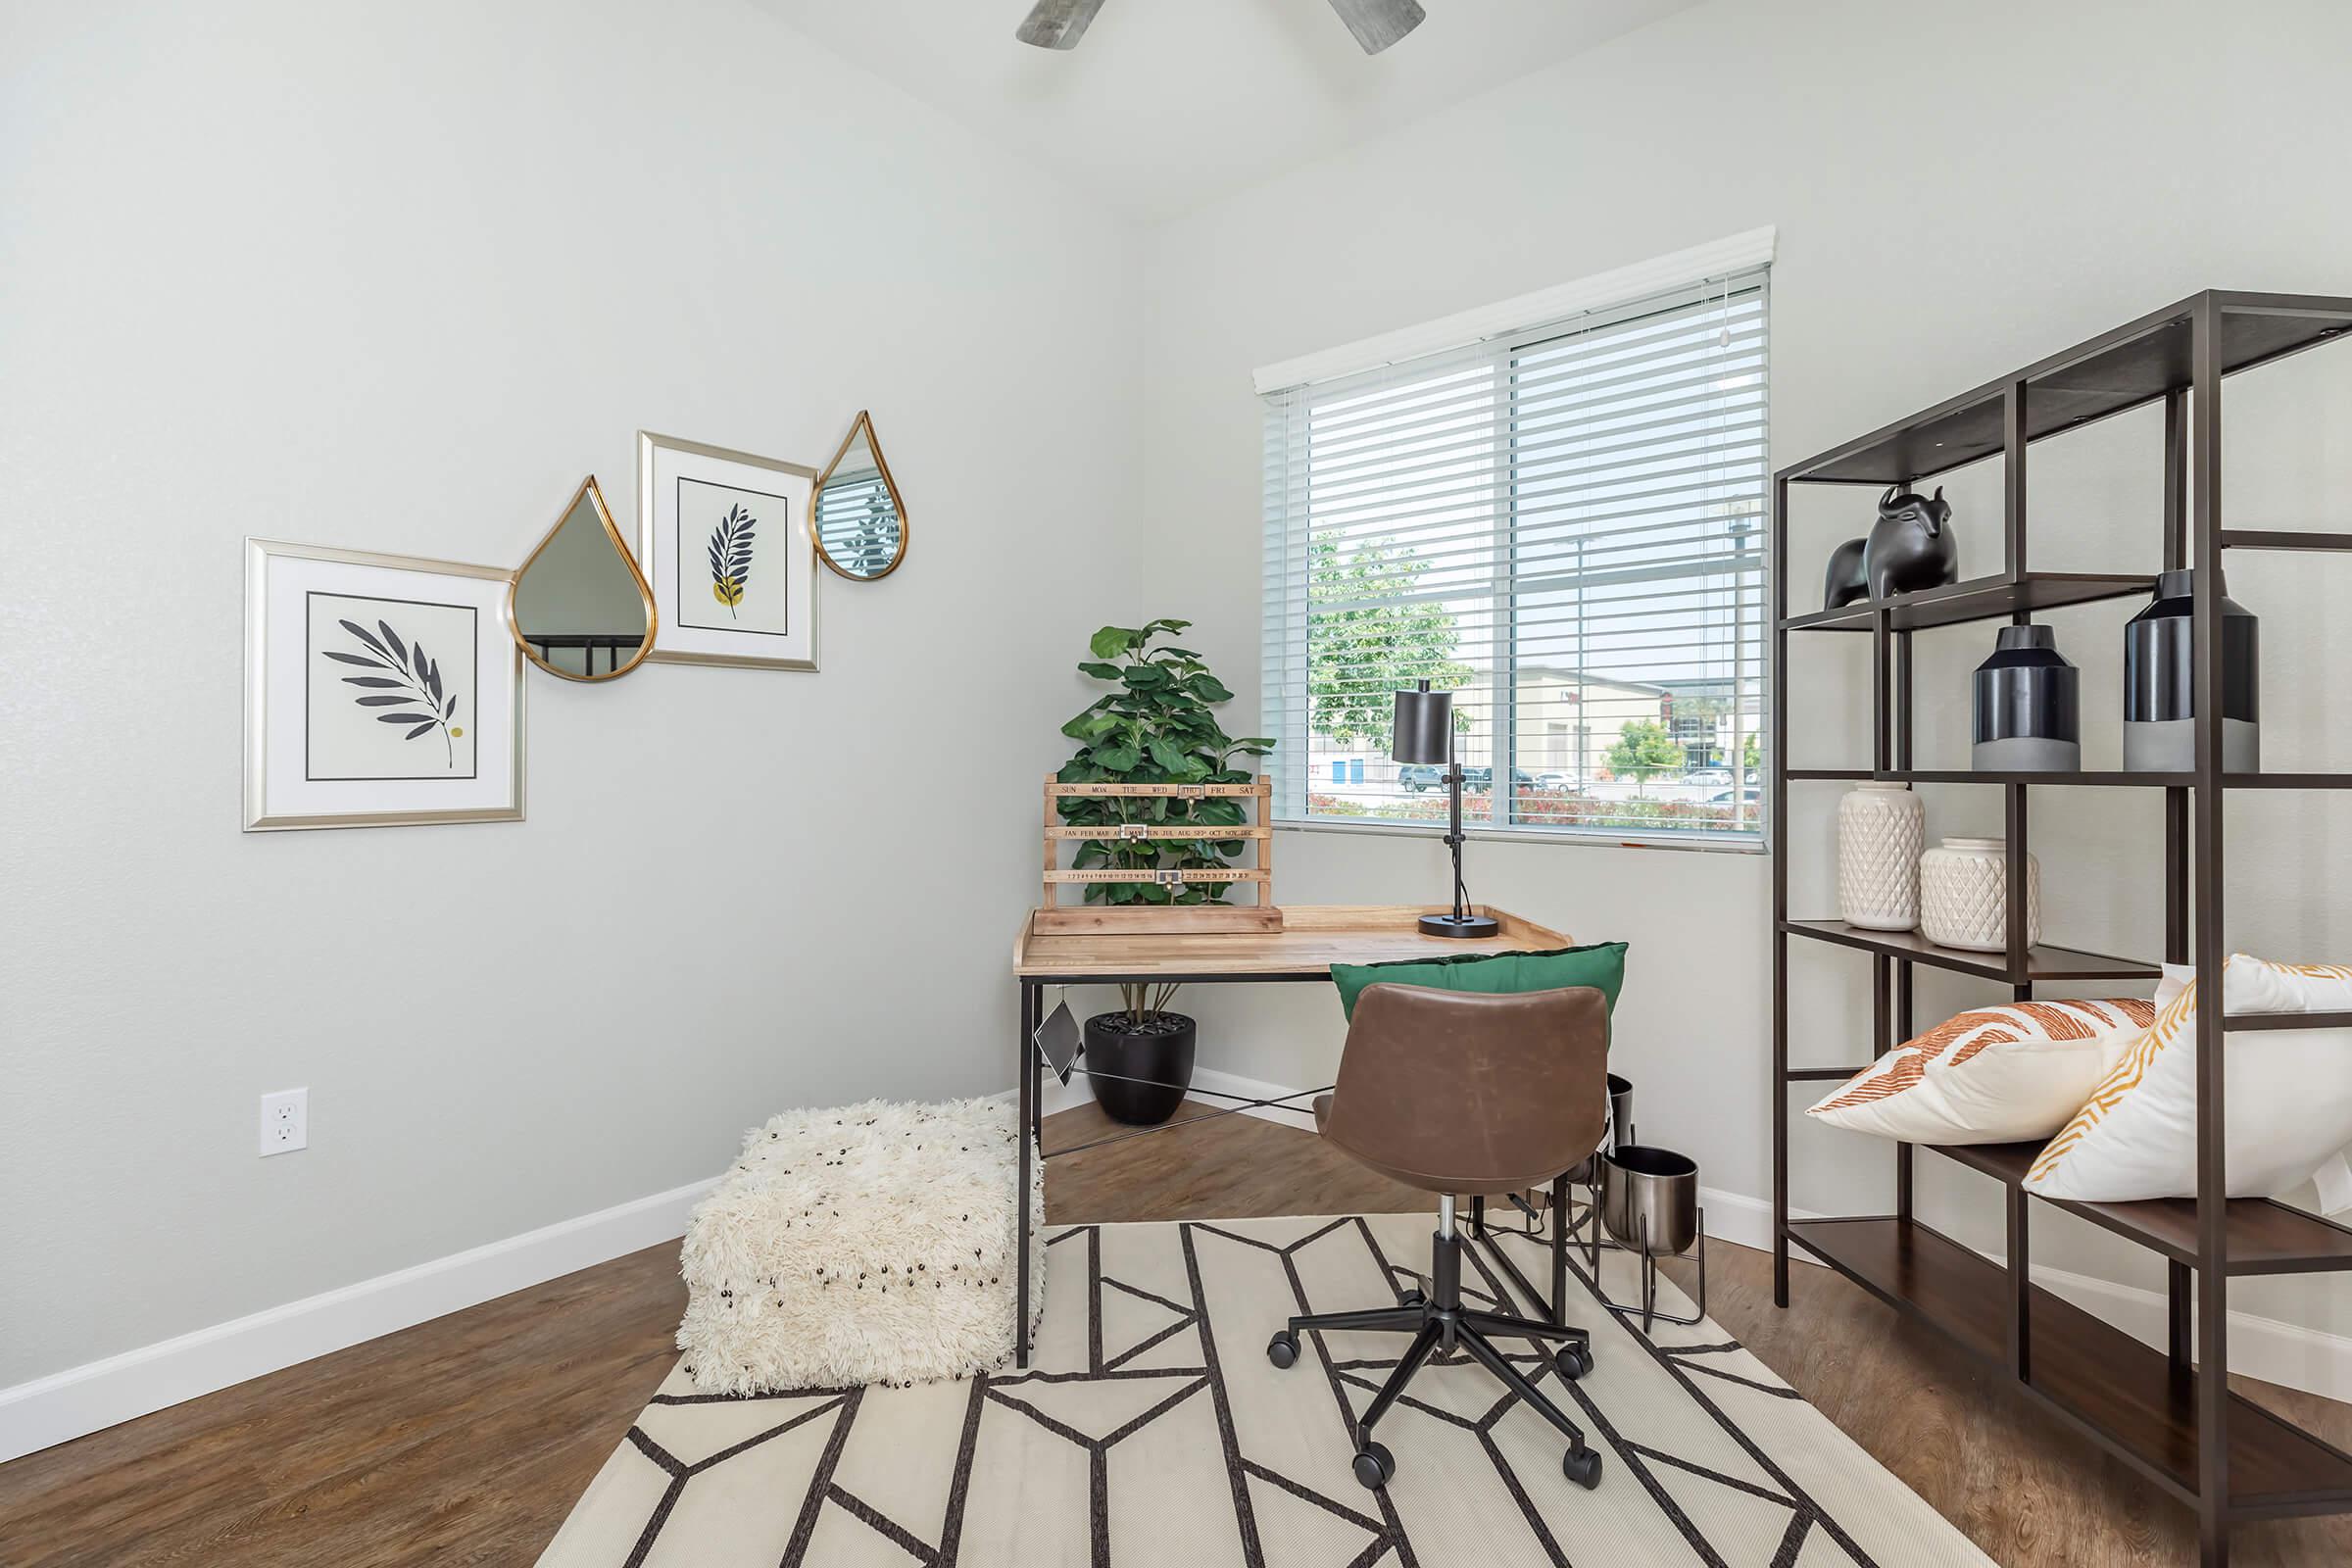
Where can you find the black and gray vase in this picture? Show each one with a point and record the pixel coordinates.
(2160, 683)
(2029, 707)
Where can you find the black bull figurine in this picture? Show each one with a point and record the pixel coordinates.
(1909, 548)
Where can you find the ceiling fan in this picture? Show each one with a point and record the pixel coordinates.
(1376, 24)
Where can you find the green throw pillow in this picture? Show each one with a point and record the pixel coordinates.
(1599, 965)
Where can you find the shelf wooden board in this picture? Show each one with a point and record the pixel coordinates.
(2282, 539)
(1121, 832)
(1978, 599)
(2265, 1237)
(2257, 1022)
(1173, 791)
(2135, 364)
(2124, 1395)
(1929, 775)
(2287, 781)
(2101, 780)
(2042, 961)
(1313, 937)
(1168, 879)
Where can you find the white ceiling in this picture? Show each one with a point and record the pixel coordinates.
(1169, 104)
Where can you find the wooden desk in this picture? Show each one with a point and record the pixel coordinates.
(1313, 938)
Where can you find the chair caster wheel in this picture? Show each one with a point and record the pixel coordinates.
(1580, 1465)
(1412, 1298)
(1575, 1362)
(1375, 1466)
(1283, 1349)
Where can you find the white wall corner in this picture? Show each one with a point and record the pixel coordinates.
(1734, 252)
(98, 1395)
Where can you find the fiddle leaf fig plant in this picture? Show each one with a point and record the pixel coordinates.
(1154, 727)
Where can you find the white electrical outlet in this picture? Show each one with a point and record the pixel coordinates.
(285, 1121)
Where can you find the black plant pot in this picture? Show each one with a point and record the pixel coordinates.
(1161, 1054)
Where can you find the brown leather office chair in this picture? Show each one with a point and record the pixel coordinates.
(1460, 1092)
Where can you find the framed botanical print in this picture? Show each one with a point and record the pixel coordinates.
(724, 537)
(380, 691)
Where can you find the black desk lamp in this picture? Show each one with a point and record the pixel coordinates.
(1424, 733)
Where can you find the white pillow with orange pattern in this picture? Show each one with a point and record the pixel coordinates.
(1990, 1075)
(2286, 1097)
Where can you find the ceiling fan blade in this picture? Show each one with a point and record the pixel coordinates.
(1376, 24)
(1058, 23)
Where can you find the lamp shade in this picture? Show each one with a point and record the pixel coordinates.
(1424, 727)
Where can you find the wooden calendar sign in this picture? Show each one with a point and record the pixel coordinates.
(1056, 918)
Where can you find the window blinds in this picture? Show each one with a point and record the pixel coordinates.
(1565, 527)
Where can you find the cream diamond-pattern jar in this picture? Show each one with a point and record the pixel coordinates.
(1964, 896)
(1880, 830)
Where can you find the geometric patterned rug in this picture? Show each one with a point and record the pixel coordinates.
(1151, 1432)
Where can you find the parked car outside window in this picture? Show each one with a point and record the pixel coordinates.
(1483, 779)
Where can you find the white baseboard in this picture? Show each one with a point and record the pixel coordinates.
(2275, 1351)
(2285, 1353)
(1747, 1221)
(87, 1399)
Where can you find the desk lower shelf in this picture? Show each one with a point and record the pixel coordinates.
(1313, 937)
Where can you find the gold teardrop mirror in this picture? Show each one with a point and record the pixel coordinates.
(579, 607)
(860, 522)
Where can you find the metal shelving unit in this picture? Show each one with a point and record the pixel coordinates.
(2168, 1415)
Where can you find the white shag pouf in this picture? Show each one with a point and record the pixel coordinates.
(865, 1243)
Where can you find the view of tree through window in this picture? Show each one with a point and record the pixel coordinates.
(1565, 529)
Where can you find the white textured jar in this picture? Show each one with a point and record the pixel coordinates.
(1964, 896)
(1880, 830)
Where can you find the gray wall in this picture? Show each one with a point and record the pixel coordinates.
(396, 278)
(1958, 190)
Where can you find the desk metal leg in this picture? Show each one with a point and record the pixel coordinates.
(1559, 1248)
(1025, 1049)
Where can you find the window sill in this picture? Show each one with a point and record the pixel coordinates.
(1707, 844)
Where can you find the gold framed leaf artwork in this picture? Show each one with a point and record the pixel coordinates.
(380, 691)
(724, 539)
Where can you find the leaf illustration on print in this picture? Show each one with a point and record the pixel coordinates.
(731, 556)
(412, 684)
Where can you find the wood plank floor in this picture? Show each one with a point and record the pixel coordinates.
(467, 1439)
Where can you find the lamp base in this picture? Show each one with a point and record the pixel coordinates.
(1460, 925)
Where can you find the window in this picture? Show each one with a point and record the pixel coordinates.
(1565, 527)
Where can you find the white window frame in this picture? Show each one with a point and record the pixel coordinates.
(1525, 319)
